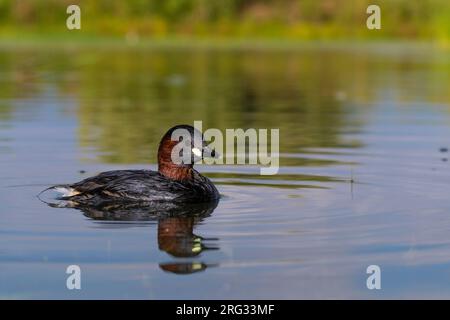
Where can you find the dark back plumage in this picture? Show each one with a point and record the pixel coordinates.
(142, 186)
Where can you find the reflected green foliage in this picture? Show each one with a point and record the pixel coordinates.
(126, 99)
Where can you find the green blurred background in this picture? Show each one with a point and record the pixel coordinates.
(137, 20)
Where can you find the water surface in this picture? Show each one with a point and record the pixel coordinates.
(363, 180)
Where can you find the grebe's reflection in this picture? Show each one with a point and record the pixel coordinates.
(176, 237)
(176, 224)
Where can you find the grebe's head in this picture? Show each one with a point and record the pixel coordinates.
(179, 149)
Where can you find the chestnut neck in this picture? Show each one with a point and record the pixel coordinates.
(167, 168)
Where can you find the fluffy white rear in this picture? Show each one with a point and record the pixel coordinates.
(66, 192)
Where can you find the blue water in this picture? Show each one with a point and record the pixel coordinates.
(363, 180)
